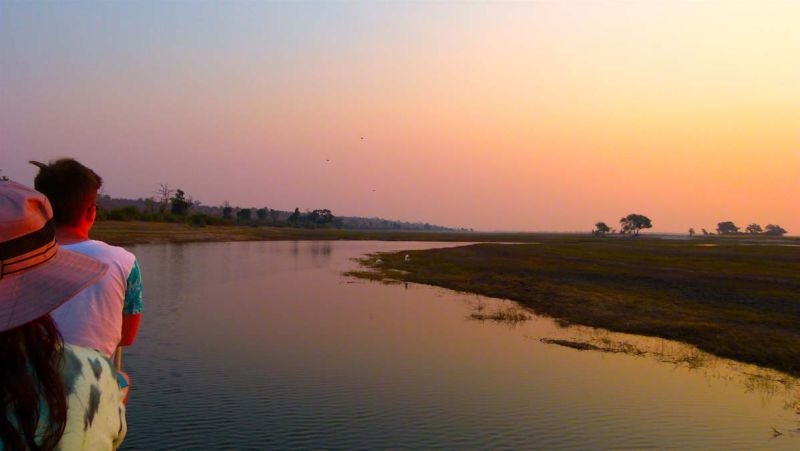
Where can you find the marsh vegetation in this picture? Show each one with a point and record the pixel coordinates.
(732, 298)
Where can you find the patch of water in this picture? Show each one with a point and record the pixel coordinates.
(266, 345)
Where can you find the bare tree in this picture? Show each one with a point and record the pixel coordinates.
(164, 193)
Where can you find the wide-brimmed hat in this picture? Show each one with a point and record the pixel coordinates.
(36, 275)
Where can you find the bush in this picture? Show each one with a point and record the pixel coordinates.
(198, 220)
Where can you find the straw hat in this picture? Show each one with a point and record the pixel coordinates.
(36, 276)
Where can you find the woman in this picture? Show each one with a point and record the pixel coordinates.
(52, 395)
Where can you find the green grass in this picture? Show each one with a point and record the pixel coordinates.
(124, 233)
(738, 299)
(508, 315)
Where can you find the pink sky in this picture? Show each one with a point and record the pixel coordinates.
(547, 116)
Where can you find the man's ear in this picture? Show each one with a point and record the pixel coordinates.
(90, 213)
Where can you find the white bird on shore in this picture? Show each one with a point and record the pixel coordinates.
(407, 258)
(378, 261)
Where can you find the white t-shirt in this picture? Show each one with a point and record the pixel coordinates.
(93, 318)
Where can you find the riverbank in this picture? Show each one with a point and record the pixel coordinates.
(732, 298)
(125, 233)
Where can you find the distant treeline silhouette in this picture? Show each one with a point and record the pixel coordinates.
(729, 228)
(633, 223)
(175, 205)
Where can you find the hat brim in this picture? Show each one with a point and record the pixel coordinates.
(33, 293)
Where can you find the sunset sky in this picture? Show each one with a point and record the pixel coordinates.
(543, 116)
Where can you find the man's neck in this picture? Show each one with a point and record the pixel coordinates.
(71, 235)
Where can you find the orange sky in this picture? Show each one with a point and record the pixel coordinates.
(539, 116)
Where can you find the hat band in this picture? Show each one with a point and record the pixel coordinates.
(8, 267)
(28, 250)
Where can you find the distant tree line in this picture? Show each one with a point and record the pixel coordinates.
(633, 223)
(730, 228)
(176, 205)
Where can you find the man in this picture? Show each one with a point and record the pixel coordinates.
(106, 314)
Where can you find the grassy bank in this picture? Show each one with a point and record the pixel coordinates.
(123, 233)
(733, 298)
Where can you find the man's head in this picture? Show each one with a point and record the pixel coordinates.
(71, 189)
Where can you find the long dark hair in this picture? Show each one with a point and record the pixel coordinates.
(30, 372)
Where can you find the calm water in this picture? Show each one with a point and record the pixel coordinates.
(266, 345)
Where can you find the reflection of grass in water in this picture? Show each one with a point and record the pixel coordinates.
(764, 381)
(693, 358)
(371, 275)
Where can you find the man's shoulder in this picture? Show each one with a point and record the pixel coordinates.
(103, 251)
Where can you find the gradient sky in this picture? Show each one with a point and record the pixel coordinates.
(534, 116)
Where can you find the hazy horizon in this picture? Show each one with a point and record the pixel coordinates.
(493, 116)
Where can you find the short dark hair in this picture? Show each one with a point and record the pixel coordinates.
(69, 186)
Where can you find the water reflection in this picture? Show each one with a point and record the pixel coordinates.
(267, 345)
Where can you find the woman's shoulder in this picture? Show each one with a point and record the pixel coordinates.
(95, 411)
(83, 366)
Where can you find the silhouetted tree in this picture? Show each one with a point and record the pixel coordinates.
(322, 216)
(227, 210)
(149, 205)
(262, 213)
(274, 215)
(753, 229)
(727, 228)
(691, 232)
(601, 228)
(294, 218)
(243, 215)
(180, 204)
(705, 232)
(774, 230)
(633, 223)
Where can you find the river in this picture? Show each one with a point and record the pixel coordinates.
(267, 345)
